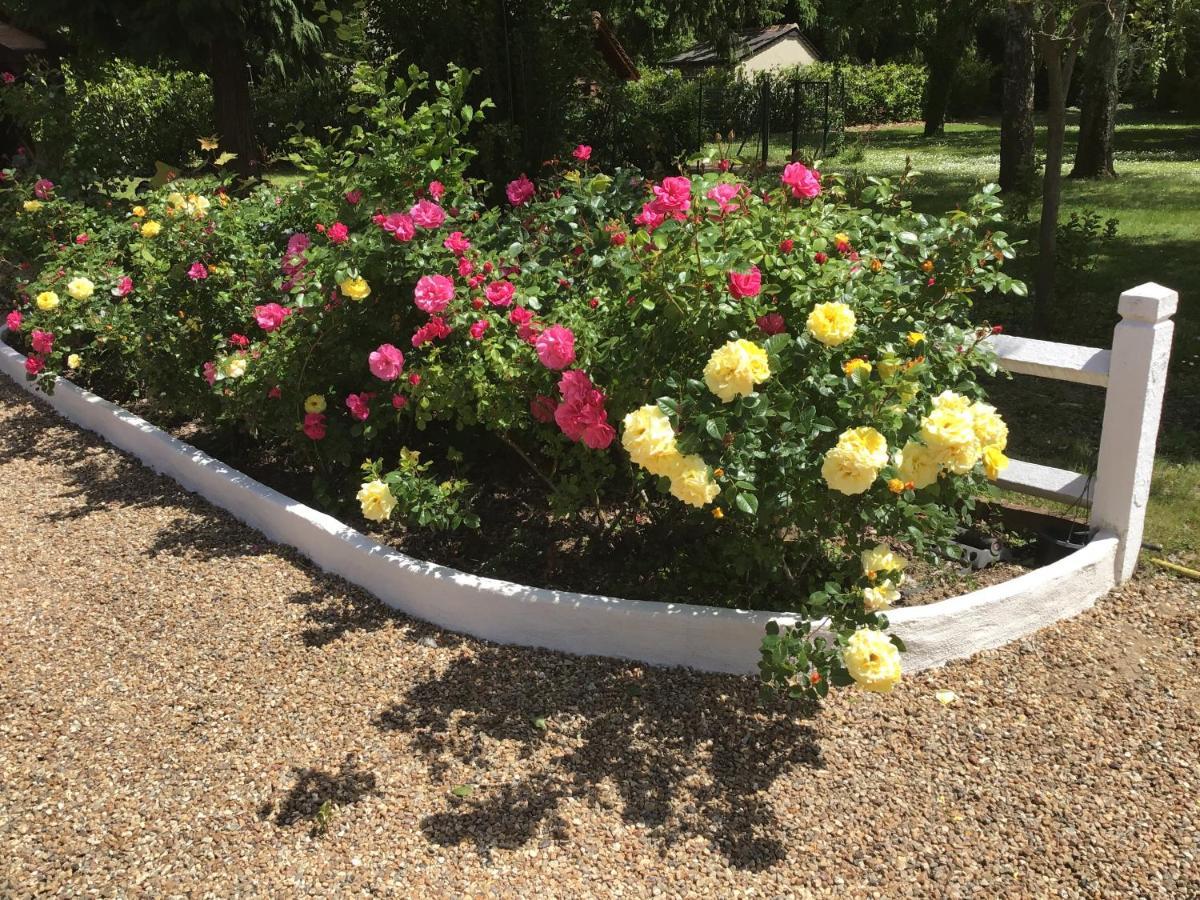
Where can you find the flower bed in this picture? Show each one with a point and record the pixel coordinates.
(779, 379)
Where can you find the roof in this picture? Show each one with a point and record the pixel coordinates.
(612, 51)
(15, 39)
(747, 43)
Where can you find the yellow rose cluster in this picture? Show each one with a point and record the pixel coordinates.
(376, 500)
(955, 436)
(734, 369)
(649, 440)
(193, 205)
(832, 323)
(852, 466)
(885, 591)
(356, 288)
(872, 660)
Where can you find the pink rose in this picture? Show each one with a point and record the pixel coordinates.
(478, 328)
(582, 153)
(436, 190)
(270, 316)
(465, 266)
(399, 226)
(542, 408)
(274, 393)
(197, 271)
(210, 372)
(820, 258)
(771, 323)
(581, 416)
(519, 191)
(724, 165)
(13, 321)
(414, 379)
(7, 77)
(723, 195)
(519, 315)
(456, 243)
(314, 426)
(338, 233)
(500, 293)
(556, 347)
(433, 293)
(354, 197)
(650, 217)
(804, 182)
(34, 364)
(124, 287)
(674, 196)
(399, 401)
(42, 188)
(745, 284)
(239, 340)
(359, 405)
(617, 239)
(435, 329)
(428, 215)
(82, 239)
(386, 362)
(786, 245)
(41, 341)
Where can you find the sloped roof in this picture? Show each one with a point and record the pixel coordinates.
(747, 43)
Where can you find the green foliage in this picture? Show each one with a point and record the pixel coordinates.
(875, 94)
(422, 500)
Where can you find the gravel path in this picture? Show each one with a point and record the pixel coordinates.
(186, 709)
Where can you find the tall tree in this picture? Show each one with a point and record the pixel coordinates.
(948, 27)
(1061, 28)
(1098, 109)
(1017, 165)
(224, 38)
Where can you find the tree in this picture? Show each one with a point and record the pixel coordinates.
(224, 38)
(948, 26)
(1098, 109)
(1017, 166)
(1061, 27)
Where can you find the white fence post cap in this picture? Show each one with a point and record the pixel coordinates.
(1148, 302)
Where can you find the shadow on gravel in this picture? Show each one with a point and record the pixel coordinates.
(318, 796)
(681, 753)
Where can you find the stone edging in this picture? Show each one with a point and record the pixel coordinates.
(673, 634)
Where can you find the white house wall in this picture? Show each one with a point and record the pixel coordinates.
(788, 52)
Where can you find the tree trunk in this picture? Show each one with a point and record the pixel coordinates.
(1098, 110)
(1059, 56)
(231, 103)
(1017, 165)
(942, 52)
(937, 93)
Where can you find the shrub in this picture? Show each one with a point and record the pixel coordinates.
(784, 381)
(876, 94)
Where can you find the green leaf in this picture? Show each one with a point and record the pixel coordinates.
(747, 503)
(899, 644)
(225, 159)
(715, 429)
(908, 237)
(463, 790)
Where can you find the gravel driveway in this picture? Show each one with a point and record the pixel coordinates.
(188, 709)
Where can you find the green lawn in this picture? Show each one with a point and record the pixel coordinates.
(1156, 198)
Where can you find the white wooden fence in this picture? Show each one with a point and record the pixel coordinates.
(1134, 373)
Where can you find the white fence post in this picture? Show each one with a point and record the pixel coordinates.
(1137, 377)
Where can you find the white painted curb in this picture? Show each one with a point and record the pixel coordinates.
(674, 634)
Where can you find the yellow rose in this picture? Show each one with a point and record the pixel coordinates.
(852, 466)
(872, 660)
(841, 238)
(858, 364)
(32, 205)
(888, 367)
(234, 367)
(990, 429)
(151, 229)
(47, 300)
(197, 206)
(356, 288)
(951, 400)
(919, 465)
(691, 483)
(881, 559)
(377, 501)
(81, 288)
(832, 323)
(176, 200)
(139, 211)
(949, 433)
(895, 485)
(74, 361)
(881, 596)
(994, 462)
(314, 403)
(914, 338)
(734, 369)
(649, 440)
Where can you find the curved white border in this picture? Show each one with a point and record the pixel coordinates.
(678, 634)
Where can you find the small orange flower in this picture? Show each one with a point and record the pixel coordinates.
(718, 513)
(927, 266)
(876, 265)
(718, 472)
(814, 677)
(896, 486)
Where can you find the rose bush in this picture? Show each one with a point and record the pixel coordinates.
(784, 380)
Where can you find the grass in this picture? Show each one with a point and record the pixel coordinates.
(1156, 199)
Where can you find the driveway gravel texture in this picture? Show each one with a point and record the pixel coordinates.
(187, 709)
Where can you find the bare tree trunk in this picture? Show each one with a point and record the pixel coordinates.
(231, 103)
(942, 52)
(1098, 111)
(1017, 166)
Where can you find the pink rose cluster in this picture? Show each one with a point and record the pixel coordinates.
(804, 183)
(527, 329)
(43, 188)
(435, 329)
(519, 191)
(338, 233)
(197, 271)
(294, 261)
(397, 224)
(723, 195)
(433, 293)
(672, 200)
(427, 214)
(386, 362)
(314, 426)
(457, 244)
(13, 320)
(360, 405)
(500, 293)
(556, 347)
(124, 287)
(581, 415)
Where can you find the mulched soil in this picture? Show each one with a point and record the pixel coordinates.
(186, 708)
